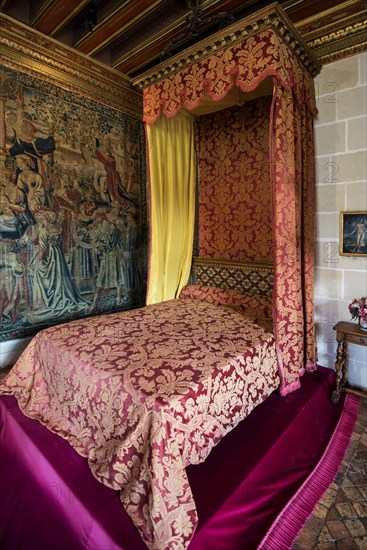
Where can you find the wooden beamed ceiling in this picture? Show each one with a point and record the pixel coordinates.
(130, 35)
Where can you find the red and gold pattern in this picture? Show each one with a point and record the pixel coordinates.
(246, 64)
(144, 393)
(293, 197)
(253, 306)
(235, 218)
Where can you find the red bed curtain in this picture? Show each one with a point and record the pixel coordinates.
(293, 198)
(246, 64)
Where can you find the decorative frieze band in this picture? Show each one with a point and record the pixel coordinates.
(31, 52)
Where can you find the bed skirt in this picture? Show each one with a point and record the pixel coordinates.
(49, 498)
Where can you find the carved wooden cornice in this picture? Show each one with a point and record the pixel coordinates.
(35, 54)
(343, 43)
(272, 17)
(338, 32)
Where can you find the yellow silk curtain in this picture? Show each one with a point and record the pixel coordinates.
(172, 169)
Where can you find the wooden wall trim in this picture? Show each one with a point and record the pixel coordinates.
(31, 52)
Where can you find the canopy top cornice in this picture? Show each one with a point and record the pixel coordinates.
(271, 17)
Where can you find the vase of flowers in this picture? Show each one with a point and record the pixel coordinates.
(358, 310)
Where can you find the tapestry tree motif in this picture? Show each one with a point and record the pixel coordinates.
(72, 207)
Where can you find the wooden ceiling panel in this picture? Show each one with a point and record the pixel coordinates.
(117, 24)
(131, 35)
(52, 16)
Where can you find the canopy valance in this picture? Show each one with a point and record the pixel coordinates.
(245, 65)
(242, 55)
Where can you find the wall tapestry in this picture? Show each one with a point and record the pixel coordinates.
(72, 207)
(234, 203)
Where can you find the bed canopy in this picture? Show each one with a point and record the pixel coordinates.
(243, 58)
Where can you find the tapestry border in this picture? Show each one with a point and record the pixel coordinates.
(29, 51)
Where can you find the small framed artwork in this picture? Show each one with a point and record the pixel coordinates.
(353, 233)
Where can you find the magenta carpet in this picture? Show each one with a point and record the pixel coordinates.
(255, 490)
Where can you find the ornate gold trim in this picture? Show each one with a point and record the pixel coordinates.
(340, 34)
(348, 51)
(342, 43)
(272, 17)
(337, 32)
(35, 54)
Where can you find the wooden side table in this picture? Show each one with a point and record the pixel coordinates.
(346, 333)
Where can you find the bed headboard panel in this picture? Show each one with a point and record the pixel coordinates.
(250, 277)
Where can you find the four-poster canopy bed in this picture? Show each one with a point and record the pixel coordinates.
(143, 394)
(244, 56)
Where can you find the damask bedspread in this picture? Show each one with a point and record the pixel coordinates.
(142, 394)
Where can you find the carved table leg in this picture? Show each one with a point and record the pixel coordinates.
(339, 370)
(345, 365)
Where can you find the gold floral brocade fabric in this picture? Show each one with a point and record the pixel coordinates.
(142, 394)
(293, 197)
(290, 168)
(234, 207)
(245, 64)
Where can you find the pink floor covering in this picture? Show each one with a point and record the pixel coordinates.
(255, 490)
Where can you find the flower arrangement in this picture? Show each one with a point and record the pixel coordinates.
(358, 310)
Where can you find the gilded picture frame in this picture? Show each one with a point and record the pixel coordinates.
(353, 233)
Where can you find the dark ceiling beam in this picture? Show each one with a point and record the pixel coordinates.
(132, 35)
(4, 4)
(152, 47)
(138, 56)
(53, 15)
(298, 11)
(115, 25)
(112, 27)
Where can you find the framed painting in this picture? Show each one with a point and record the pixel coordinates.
(353, 233)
